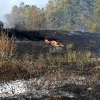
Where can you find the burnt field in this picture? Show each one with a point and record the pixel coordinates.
(44, 72)
(80, 40)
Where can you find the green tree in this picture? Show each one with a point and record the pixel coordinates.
(1, 24)
(93, 23)
(57, 14)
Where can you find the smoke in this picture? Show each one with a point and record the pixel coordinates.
(6, 5)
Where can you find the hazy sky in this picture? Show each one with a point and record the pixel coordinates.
(6, 5)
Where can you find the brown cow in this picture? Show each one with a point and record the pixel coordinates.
(53, 43)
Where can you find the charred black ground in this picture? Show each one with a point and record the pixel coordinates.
(86, 40)
(81, 40)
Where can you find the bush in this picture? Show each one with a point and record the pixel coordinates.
(7, 46)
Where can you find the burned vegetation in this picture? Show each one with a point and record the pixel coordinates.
(70, 72)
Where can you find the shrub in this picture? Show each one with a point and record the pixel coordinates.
(7, 46)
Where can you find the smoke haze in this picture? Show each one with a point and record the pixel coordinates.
(6, 5)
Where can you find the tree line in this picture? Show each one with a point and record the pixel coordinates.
(56, 15)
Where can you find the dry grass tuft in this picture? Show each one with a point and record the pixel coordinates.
(7, 46)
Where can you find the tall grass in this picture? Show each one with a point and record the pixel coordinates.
(7, 47)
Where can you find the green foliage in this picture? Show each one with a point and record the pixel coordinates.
(57, 14)
(69, 46)
(93, 27)
(1, 24)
